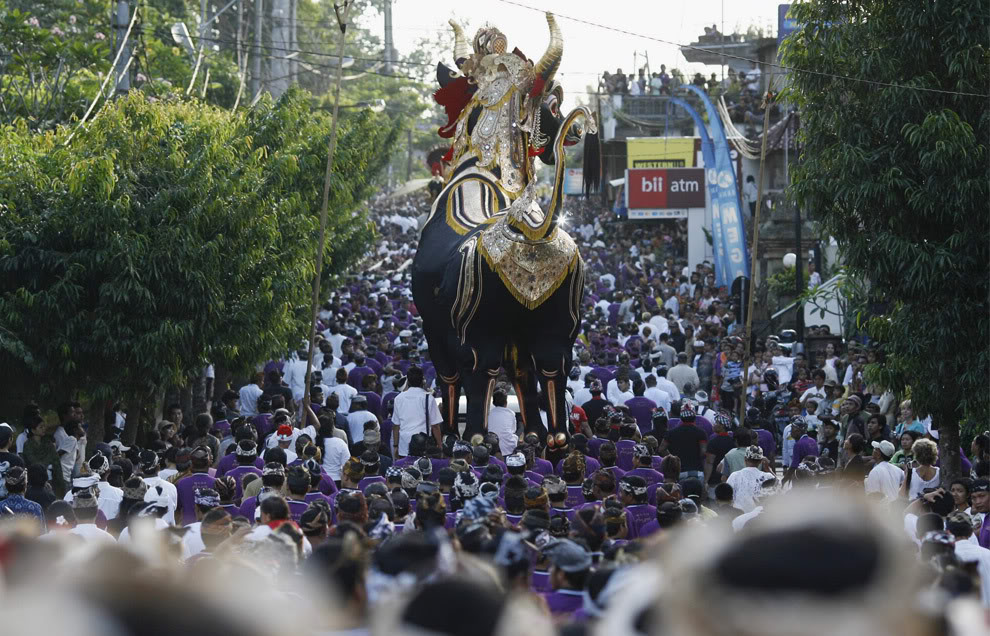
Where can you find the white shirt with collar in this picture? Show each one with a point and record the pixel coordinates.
(90, 532)
(814, 393)
(659, 397)
(968, 552)
(409, 415)
(785, 368)
(345, 393)
(885, 478)
(248, 396)
(582, 395)
(502, 422)
(356, 422)
(666, 385)
(335, 455)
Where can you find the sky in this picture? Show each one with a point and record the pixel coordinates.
(588, 49)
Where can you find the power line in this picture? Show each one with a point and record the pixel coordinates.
(745, 59)
(285, 49)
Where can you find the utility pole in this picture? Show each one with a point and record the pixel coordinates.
(388, 37)
(341, 10)
(279, 61)
(294, 41)
(122, 18)
(409, 157)
(748, 334)
(259, 12)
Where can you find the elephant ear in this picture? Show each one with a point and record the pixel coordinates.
(453, 97)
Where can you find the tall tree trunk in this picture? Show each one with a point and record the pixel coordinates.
(95, 431)
(950, 463)
(136, 405)
(186, 402)
(199, 394)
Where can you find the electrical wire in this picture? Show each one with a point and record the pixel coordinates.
(103, 86)
(745, 59)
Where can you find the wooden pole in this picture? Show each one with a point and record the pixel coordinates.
(342, 12)
(748, 333)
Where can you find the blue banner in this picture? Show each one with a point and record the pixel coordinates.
(726, 204)
(708, 155)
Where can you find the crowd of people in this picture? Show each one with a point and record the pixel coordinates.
(742, 90)
(689, 490)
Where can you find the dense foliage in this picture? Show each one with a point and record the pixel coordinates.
(899, 176)
(169, 233)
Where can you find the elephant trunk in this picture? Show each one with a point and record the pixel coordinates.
(592, 166)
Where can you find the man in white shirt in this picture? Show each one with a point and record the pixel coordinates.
(148, 465)
(747, 483)
(660, 324)
(294, 375)
(502, 422)
(960, 525)
(618, 390)
(884, 478)
(336, 339)
(784, 366)
(666, 385)
(584, 363)
(683, 375)
(660, 397)
(414, 411)
(818, 392)
(574, 382)
(250, 393)
(67, 434)
(344, 392)
(85, 508)
(358, 418)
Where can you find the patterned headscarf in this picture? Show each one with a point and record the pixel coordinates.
(478, 509)
(466, 485)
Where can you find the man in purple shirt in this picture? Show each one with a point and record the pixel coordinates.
(641, 407)
(570, 565)
(298, 481)
(803, 447)
(246, 455)
(200, 459)
(639, 512)
(643, 466)
(624, 447)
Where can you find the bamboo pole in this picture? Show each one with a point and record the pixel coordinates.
(747, 359)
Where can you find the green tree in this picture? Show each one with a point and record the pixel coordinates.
(898, 174)
(129, 258)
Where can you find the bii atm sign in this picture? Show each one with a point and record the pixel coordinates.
(665, 188)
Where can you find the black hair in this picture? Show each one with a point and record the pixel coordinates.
(414, 376)
(929, 522)
(723, 492)
(275, 507)
(400, 502)
(336, 563)
(455, 608)
(37, 475)
(847, 562)
(276, 455)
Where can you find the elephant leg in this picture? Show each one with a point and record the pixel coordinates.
(550, 359)
(450, 392)
(525, 384)
(480, 366)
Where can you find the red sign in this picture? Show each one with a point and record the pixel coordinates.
(665, 188)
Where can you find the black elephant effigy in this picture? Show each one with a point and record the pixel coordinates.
(496, 279)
